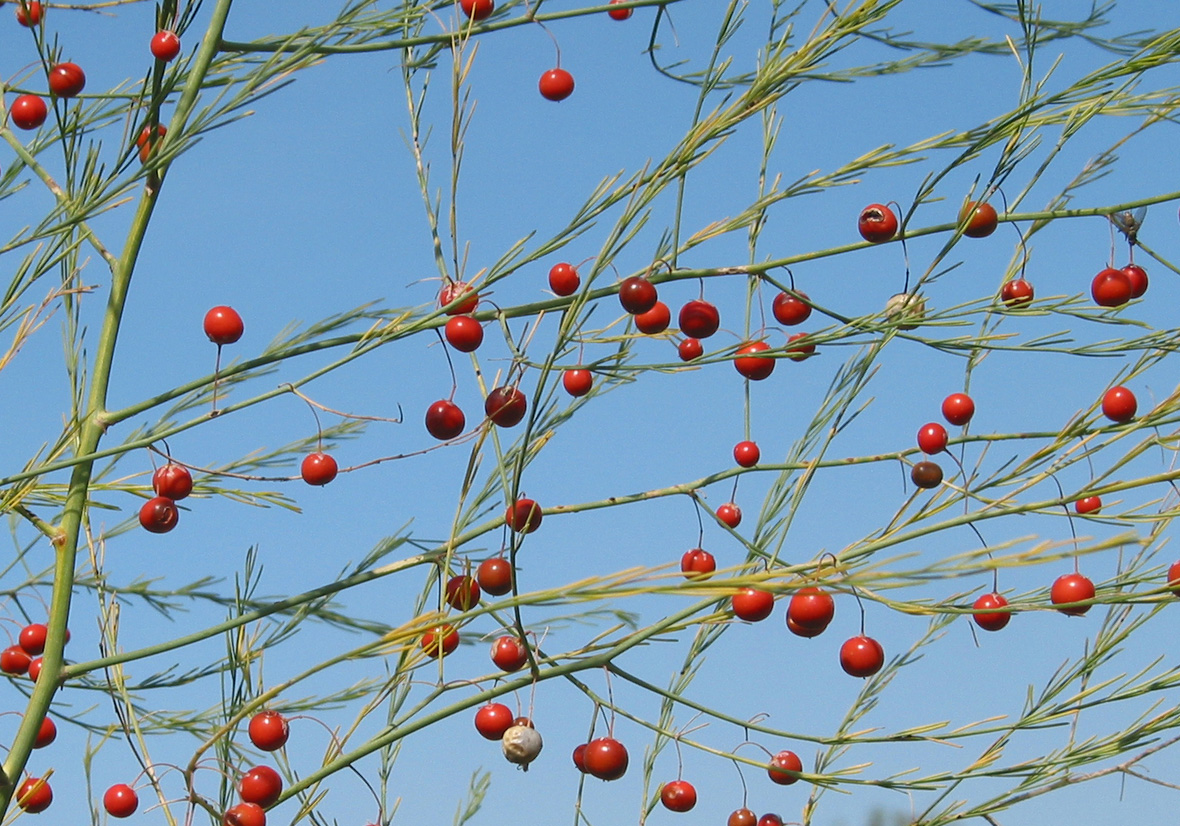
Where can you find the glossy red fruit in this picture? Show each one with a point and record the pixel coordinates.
(223, 325)
(770, 819)
(524, 516)
(509, 653)
(981, 219)
(752, 366)
(29, 14)
(28, 112)
(697, 564)
(1016, 292)
(932, 438)
(464, 333)
(159, 514)
(926, 475)
(556, 84)
(461, 292)
(1072, 588)
(689, 349)
(14, 660)
(730, 514)
(577, 382)
(268, 730)
(619, 14)
(165, 45)
(563, 279)
(1138, 278)
(985, 615)
(1111, 288)
(605, 758)
(655, 320)
(34, 795)
(699, 319)
(440, 641)
(444, 420)
(958, 408)
(173, 481)
(461, 592)
(67, 80)
(861, 656)
(1174, 577)
(46, 734)
(492, 720)
(877, 223)
(32, 638)
(1088, 504)
(781, 764)
(506, 406)
(797, 351)
(1119, 404)
(790, 310)
(261, 785)
(120, 800)
(746, 454)
(244, 814)
(318, 469)
(742, 817)
(147, 142)
(579, 757)
(637, 295)
(678, 796)
(494, 576)
(477, 9)
(35, 668)
(810, 609)
(752, 604)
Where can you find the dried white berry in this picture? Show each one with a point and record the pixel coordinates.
(521, 745)
(907, 309)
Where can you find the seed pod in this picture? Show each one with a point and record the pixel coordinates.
(521, 745)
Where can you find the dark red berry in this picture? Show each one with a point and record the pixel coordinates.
(505, 406)
(1016, 293)
(637, 295)
(699, 319)
(981, 219)
(172, 480)
(563, 279)
(67, 80)
(751, 364)
(689, 349)
(494, 576)
(444, 420)
(1111, 288)
(791, 309)
(159, 514)
(655, 320)
(877, 223)
(524, 516)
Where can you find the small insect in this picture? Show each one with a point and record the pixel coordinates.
(1129, 222)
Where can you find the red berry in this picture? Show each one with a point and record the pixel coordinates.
(770, 819)
(28, 13)
(165, 45)
(14, 660)
(506, 406)
(678, 796)
(791, 310)
(730, 514)
(495, 576)
(782, 763)
(461, 592)
(46, 734)
(577, 382)
(459, 291)
(159, 514)
(173, 481)
(699, 319)
(655, 320)
(877, 223)
(32, 638)
(579, 757)
(605, 758)
(754, 367)
(223, 325)
(509, 653)
(66, 80)
(444, 420)
(1173, 580)
(440, 641)
(926, 475)
(689, 349)
(932, 438)
(1016, 292)
(619, 14)
(697, 564)
(958, 408)
(742, 817)
(556, 84)
(1072, 588)
(752, 604)
(810, 609)
(1111, 288)
(1119, 404)
(244, 814)
(637, 295)
(980, 217)
(147, 142)
(1088, 504)
(261, 785)
(464, 333)
(318, 469)
(28, 112)
(268, 730)
(492, 720)
(34, 795)
(796, 351)
(861, 656)
(524, 516)
(746, 454)
(985, 615)
(120, 800)
(563, 279)
(477, 9)
(1138, 278)
(35, 668)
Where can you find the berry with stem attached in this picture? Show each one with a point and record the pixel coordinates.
(810, 610)
(752, 604)
(699, 319)
(563, 279)
(958, 408)
(791, 309)
(463, 333)
(689, 349)
(751, 364)
(746, 453)
(678, 796)
(781, 766)
(492, 720)
(440, 640)
(159, 514)
(172, 480)
(1138, 278)
(932, 438)
(1111, 288)
(1119, 404)
(523, 516)
(926, 475)
(980, 217)
(67, 80)
(494, 576)
(861, 656)
(697, 563)
(165, 45)
(28, 112)
(556, 84)
(466, 299)
(318, 469)
(509, 653)
(223, 325)
(444, 420)
(577, 382)
(605, 758)
(730, 514)
(120, 800)
(742, 817)
(261, 785)
(1069, 588)
(506, 406)
(985, 614)
(268, 730)
(877, 223)
(637, 295)
(1016, 293)
(654, 321)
